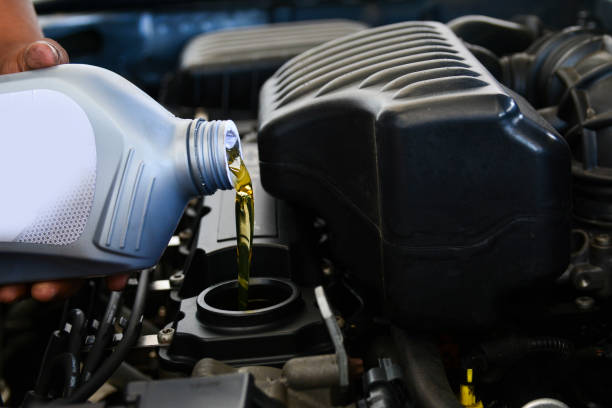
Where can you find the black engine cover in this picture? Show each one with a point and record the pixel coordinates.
(445, 193)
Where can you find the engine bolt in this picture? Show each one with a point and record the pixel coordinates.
(602, 240)
(185, 234)
(123, 322)
(164, 336)
(191, 212)
(95, 324)
(585, 302)
(176, 279)
(584, 282)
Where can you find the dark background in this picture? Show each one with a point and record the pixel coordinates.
(141, 40)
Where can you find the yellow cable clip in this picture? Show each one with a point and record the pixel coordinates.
(467, 395)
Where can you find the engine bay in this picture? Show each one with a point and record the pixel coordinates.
(432, 219)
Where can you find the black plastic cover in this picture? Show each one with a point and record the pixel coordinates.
(222, 71)
(445, 193)
(300, 332)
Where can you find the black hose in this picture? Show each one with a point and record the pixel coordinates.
(550, 345)
(499, 36)
(424, 372)
(56, 345)
(103, 336)
(65, 312)
(77, 320)
(130, 336)
(508, 350)
(94, 288)
(68, 366)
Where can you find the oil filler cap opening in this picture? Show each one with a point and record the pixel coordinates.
(271, 300)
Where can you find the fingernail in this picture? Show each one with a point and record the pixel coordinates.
(55, 50)
(44, 291)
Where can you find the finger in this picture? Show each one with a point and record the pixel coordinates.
(47, 291)
(117, 282)
(11, 293)
(43, 54)
(63, 54)
(40, 54)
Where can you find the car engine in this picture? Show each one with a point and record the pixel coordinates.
(433, 220)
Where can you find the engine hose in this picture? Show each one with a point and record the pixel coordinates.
(57, 344)
(67, 365)
(508, 350)
(551, 344)
(499, 36)
(566, 75)
(77, 320)
(130, 336)
(424, 372)
(103, 336)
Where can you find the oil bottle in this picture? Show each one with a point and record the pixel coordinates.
(95, 174)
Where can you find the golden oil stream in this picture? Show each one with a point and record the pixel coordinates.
(244, 222)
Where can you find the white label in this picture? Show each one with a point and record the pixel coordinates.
(47, 167)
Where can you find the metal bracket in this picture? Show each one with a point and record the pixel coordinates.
(335, 334)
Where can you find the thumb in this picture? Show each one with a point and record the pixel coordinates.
(43, 54)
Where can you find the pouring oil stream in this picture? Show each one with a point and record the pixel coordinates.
(244, 221)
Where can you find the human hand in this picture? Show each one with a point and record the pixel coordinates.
(34, 55)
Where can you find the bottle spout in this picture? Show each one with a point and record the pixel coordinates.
(208, 143)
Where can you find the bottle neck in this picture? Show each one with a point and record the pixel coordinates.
(207, 145)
